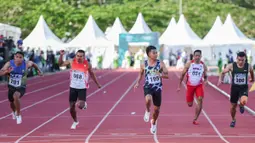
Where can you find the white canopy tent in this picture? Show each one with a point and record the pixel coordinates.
(42, 37)
(93, 39)
(183, 37)
(164, 38)
(168, 32)
(140, 27)
(229, 37)
(113, 33)
(10, 31)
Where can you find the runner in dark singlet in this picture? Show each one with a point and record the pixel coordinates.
(153, 69)
(239, 88)
(17, 70)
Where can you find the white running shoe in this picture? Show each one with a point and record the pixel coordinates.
(19, 119)
(85, 106)
(153, 128)
(146, 116)
(14, 115)
(74, 125)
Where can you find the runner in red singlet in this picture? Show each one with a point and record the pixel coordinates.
(79, 78)
(195, 70)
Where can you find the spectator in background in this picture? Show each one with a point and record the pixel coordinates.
(20, 43)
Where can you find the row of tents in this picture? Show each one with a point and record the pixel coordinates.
(177, 35)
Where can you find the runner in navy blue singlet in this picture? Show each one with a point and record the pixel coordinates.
(16, 70)
(153, 69)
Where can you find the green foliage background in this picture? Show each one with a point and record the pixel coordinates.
(200, 14)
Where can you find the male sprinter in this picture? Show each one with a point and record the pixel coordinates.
(195, 70)
(17, 70)
(153, 84)
(239, 85)
(79, 81)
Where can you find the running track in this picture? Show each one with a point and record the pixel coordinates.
(117, 115)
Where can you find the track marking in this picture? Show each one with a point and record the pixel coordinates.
(109, 112)
(207, 117)
(252, 112)
(46, 122)
(41, 101)
(47, 87)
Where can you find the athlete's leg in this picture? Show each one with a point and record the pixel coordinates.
(198, 109)
(148, 99)
(11, 100)
(200, 94)
(233, 99)
(243, 99)
(190, 95)
(73, 95)
(16, 97)
(156, 97)
(82, 96)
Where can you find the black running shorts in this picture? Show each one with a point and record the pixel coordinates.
(237, 92)
(75, 94)
(156, 96)
(12, 90)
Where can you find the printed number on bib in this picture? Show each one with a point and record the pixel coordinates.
(153, 79)
(196, 73)
(15, 80)
(78, 76)
(240, 79)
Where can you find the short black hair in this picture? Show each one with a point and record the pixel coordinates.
(241, 54)
(149, 48)
(197, 51)
(81, 51)
(19, 52)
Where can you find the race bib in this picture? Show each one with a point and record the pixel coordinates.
(240, 79)
(78, 79)
(196, 73)
(154, 79)
(77, 76)
(15, 80)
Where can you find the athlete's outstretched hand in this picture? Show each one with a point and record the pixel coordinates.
(136, 85)
(219, 82)
(206, 82)
(8, 70)
(178, 88)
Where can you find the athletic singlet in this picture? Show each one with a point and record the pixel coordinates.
(79, 75)
(240, 75)
(18, 76)
(195, 73)
(152, 80)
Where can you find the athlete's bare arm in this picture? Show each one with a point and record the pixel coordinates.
(5, 70)
(62, 63)
(186, 67)
(251, 73)
(140, 75)
(93, 76)
(31, 64)
(226, 70)
(165, 71)
(205, 73)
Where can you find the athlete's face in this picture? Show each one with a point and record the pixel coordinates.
(197, 56)
(18, 58)
(240, 61)
(79, 57)
(153, 54)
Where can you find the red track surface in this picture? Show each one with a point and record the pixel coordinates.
(117, 115)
